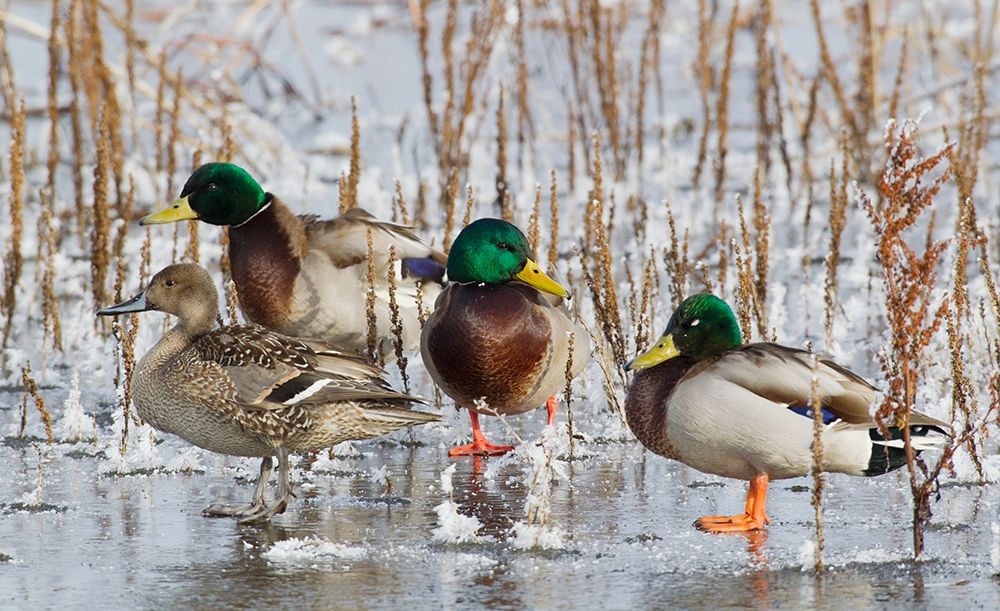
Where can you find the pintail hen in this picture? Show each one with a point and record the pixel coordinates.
(307, 277)
(498, 340)
(247, 390)
(743, 411)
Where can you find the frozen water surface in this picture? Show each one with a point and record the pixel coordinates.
(140, 541)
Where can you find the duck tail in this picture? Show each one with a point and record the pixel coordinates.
(889, 453)
(398, 417)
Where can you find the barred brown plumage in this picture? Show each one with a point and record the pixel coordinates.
(246, 390)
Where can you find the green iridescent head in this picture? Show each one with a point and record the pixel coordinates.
(217, 193)
(492, 251)
(701, 327)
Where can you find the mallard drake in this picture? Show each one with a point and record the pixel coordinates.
(499, 333)
(247, 390)
(307, 277)
(702, 397)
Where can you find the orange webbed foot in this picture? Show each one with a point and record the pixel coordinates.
(728, 524)
(479, 448)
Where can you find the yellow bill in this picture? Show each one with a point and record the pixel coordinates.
(533, 275)
(180, 210)
(664, 350)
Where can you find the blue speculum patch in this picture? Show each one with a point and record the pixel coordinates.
(807, 411)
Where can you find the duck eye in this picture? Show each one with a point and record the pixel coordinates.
(506, 246)
(694, 323)
(212, 187)
(169, 283)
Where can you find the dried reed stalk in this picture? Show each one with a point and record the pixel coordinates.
(747, 275)
(644, 322)
(31, 390)
(568, 391)
(722, 108)
(71, 27)
(100, 253)
(192, 250)
(765, 70)
(470, 205)
(501, 180)
(837, 221)
(524, 123)
(173, 138)
(866, 96)
(831, 77)
(399, 203)
(101, 90)
(676, 260)
(534, 222)
(426, 80)
(370, 315)
(449, 209)
(704, 71)
(232, 302)
(762, 242)
(816, 405)
(648, 52)
(553, 222)
(396, 320)
(744, 292)
(722, 245)
(7, 85)
(47, 233)
(349, 189)
(13, 263)
(901, 71)
(158, 123)
(52, 105)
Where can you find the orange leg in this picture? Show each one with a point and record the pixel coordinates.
(550, 407)
(479, 446)
(754, 518)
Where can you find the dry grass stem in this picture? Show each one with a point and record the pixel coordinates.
(396, 320)
(722, 108)
(374, 355)
(816, 405)
(13, 263)
(534, 223)
(837, 221)
(568, 391)
(31, 390)
(553, 223)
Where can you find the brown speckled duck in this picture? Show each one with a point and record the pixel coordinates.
(743, 411)
(247, 390)
(307, 277)
(500, 331)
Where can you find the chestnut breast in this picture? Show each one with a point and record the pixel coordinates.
(491, 342)
(646, 403)
(265, 266)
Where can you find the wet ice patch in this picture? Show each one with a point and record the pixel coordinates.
(187, 460)
(75, 425)
(537, 536)
(807, 555)
(995, 551)
(453, 527)
(311, 549)
(140, 457)
(334, 466)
